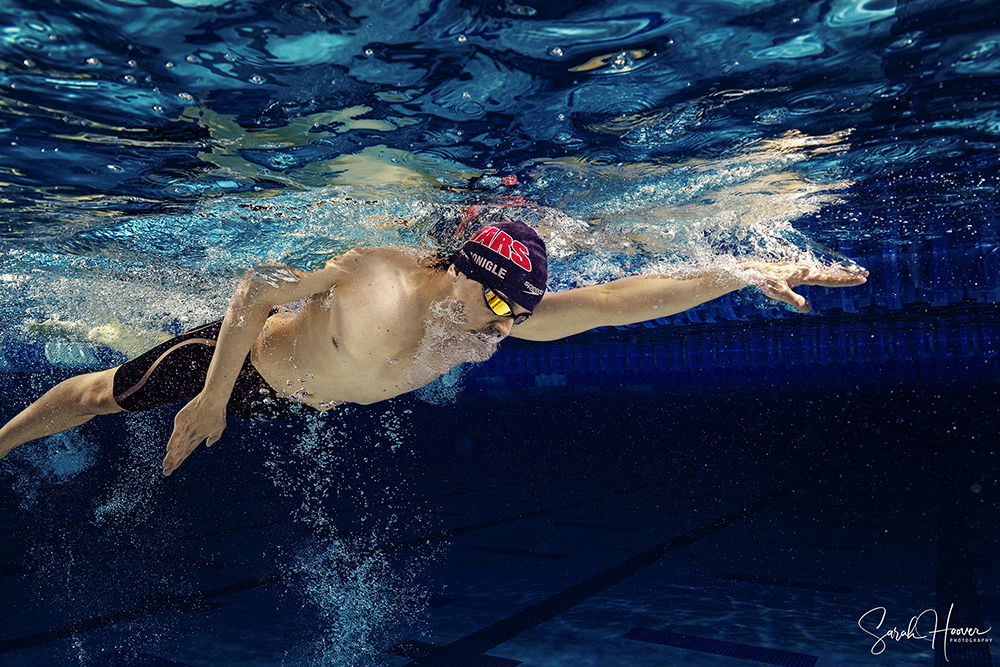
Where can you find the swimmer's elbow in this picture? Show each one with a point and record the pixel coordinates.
(276, 284)
(262, 287)
(274, 276)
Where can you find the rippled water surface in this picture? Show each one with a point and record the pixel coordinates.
(115, 108)
(210, 135)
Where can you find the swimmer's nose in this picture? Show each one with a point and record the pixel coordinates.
(504, 325)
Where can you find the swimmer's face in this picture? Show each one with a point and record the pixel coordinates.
(482, 321)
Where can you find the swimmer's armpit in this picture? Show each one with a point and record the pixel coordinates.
(274, 274)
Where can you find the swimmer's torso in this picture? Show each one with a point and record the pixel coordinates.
(355, 343)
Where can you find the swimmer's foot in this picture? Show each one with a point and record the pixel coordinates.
(128, 339)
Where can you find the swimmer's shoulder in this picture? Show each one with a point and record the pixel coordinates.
(362, 263)
(380, 259)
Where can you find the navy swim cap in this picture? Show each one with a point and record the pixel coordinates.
(512, 257)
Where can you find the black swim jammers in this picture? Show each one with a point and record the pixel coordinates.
(176, 370)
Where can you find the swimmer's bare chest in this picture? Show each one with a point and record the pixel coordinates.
(349, 352)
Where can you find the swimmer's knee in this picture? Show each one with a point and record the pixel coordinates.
(95, 392)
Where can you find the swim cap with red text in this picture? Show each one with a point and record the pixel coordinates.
(511, 256)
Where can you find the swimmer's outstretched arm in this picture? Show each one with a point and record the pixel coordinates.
(641, 298)
(204, 417)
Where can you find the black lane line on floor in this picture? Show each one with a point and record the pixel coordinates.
(437, 601)
(838, 524)
(813, 545)
(956, 584)
(448, 494)
(414, 649)
(187, 561)
(454, 532)
(771, 656)
(524, 553)
(506, 501)
(195, 602)
(784, 583)
(463, 651)
(161, 543)
(598, 526)
(132, 659)
(649, 509)
(227, 501)
(343, 510)
(13, 569)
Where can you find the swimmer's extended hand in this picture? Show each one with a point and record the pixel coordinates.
(777, 280)
(201, 420)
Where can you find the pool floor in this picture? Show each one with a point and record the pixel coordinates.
(768, 553)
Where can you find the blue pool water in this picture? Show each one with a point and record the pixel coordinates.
(735, 485)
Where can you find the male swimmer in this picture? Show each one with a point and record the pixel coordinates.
(377, 323)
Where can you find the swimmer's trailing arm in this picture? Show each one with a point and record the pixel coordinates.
(641, 298)
(204, 418)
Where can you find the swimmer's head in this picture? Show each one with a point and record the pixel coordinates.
(510, 257)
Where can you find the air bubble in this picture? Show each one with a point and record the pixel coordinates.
(187, 97)
(115, 167)
(901, 43)
(256, 78)
(94, 62)
(622, 62)
(129, 78)
(556, 51)
(169, 65)
(521, 10)
(28, 42)
(369, 52)
(890, 91)
(772, 116)
(463, 38)
(28, 62)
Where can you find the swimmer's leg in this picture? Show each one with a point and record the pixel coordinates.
(70, 403)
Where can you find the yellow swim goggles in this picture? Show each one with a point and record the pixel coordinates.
(499, 305)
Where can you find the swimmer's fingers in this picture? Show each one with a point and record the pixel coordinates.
(777, 280)
(194, 424)
(779, 290)
(832, 276)
(804, 274)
